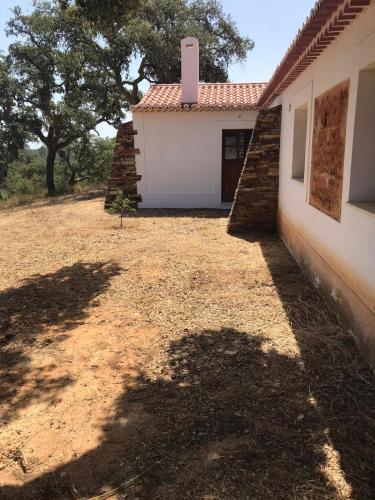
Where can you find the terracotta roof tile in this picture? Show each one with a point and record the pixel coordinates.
(212, 97)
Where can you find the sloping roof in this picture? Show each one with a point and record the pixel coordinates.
(212, 97)
(326, 21)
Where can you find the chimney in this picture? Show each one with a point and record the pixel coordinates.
(189, 70)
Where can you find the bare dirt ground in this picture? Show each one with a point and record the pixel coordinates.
(169, 360)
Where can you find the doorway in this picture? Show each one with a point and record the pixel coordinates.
(234, 148)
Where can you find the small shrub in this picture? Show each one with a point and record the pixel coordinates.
(121, 204)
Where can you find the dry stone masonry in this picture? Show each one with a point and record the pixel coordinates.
(255, 202)
(123, 175)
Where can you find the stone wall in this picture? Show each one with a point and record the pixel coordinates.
(256, 199)
(123, 175)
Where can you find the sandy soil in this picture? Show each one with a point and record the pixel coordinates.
(171, 360)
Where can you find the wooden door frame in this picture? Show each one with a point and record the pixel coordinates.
(250, 130)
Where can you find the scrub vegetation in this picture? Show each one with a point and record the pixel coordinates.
(83, 165)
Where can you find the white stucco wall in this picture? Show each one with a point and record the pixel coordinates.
(180, 156)
(348, 246)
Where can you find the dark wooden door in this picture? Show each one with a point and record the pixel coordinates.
(235, 144)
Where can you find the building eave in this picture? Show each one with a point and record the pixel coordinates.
(327, 20)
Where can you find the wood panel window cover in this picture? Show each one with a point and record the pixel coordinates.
(328, 149)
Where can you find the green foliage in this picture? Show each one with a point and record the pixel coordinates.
(12, 133)
(26, 175)
(87, 157)
(166, 22)
(121, 204)
(60, 96)
(104, 11)
(150, 38)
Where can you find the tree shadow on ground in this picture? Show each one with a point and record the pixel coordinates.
(75, 197)
(232, 419)
(37, 316)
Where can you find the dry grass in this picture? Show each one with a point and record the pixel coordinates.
(171, 360)
(40, 194)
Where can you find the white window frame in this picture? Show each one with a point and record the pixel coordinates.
(301, 98)
(300, 141)
(362, 190)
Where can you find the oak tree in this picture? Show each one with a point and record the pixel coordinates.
(62, 99)
(133, 45)
(13, 135)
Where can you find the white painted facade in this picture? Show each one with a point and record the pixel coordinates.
(346, 247)
(180, 158)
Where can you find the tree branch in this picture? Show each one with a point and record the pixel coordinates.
(40, 135)
(74, 137)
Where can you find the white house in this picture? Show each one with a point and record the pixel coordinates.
(310, 164)
(192, 138)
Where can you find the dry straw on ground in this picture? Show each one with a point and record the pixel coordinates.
(171, 360)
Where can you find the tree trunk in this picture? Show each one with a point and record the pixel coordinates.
(3, 172)
(51, 156)
(72, 177)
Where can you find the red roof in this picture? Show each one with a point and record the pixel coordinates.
(212, 97)
(326, 21)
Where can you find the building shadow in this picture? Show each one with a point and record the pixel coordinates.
(231, 418)
(204, 213)
(340, 379)
(29, 315)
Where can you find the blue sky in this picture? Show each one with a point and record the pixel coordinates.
(272, 24)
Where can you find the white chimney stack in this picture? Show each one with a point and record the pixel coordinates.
(189, 70)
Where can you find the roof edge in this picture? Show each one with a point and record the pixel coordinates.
(146, 105)
(192, 108)
(208, 83)
(326, 21)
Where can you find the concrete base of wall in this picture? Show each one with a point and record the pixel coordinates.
(352, 312)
